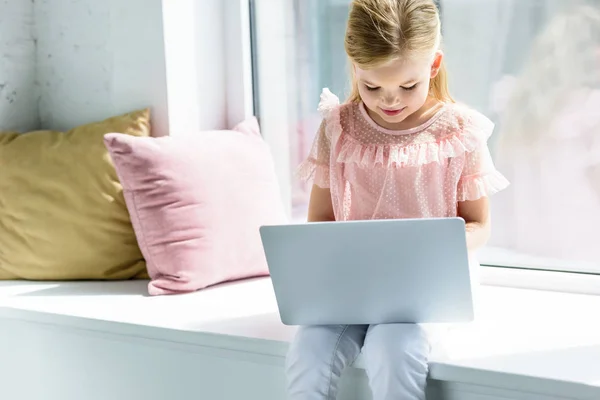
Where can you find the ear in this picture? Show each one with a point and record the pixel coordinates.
(437, 63)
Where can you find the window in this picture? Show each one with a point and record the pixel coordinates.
(532, 66)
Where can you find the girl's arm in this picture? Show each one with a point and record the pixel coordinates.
(477, 217)
(320, 208)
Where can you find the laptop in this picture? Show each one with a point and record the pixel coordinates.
(370, 272)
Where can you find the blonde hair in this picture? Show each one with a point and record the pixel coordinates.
(380, 31)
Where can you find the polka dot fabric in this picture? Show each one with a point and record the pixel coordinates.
(423, 172)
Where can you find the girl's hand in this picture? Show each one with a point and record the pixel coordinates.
(477, 217)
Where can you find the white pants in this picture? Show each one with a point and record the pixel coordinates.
(395, 355)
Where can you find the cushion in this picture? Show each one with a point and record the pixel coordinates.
(197, 203)
(62, 211)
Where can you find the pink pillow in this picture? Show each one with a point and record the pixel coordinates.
(197, 203)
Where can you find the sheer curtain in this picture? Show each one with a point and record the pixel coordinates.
(550, 146)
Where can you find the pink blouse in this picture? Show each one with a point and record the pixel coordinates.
(423, 172)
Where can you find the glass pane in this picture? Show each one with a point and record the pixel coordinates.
(533, 67)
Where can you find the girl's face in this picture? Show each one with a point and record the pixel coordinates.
(398, 89)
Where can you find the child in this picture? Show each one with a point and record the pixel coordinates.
(398, 148)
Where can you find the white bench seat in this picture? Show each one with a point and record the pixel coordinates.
(109, 340)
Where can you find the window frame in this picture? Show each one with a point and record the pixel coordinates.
(270, 95)
(269, 86)
(238, 55)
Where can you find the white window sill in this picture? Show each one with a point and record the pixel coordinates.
(564, 282)
(541, 342)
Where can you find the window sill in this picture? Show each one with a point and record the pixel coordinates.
(565, 282)
(526, 341)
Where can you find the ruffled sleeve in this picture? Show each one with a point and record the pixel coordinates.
(317, 165)
(479, 177)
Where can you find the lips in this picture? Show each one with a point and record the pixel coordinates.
(392, 112)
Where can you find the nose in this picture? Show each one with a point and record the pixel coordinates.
(390, 99)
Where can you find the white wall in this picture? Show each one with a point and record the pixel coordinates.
(95, 59)
(194, 33)
(18, 108)
(210, 57)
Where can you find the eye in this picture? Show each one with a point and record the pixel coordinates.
(371, 89)
(413, 87)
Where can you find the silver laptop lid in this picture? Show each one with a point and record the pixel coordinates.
(370, 272)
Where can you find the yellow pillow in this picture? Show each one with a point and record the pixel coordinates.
(62, 211)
